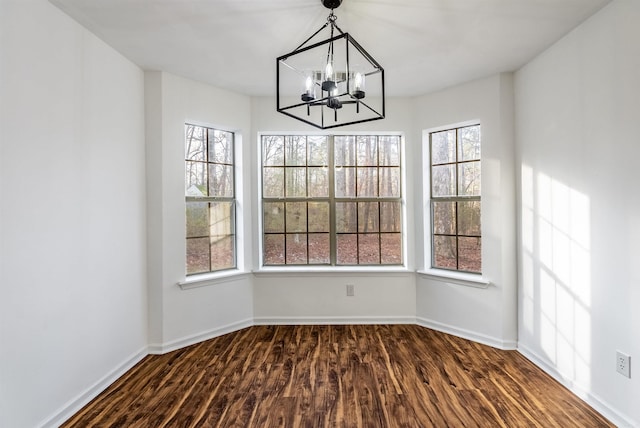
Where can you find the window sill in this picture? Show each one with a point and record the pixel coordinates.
(460, 278)
(332, 271)
(206, 279)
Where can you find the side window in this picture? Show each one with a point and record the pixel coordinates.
(455, 187)
(209, 199)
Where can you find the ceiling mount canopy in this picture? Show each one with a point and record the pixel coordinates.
(331, 4)
(322, 83)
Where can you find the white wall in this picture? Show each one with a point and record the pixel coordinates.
(578, 112)
(487, 315)
(306, 297)
(72, 214)
(180, 317)
(77, 308)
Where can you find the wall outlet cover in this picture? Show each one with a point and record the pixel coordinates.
(623, 364)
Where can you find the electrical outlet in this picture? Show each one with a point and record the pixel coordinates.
(350, 290)
(623, 364)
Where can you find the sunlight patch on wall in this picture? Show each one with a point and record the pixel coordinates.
(556, 278)
(526, 237)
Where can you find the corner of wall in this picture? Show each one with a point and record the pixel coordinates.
(153, 147)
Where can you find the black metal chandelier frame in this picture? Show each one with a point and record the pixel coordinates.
(329, 98)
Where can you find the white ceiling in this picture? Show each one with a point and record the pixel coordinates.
(423, 45)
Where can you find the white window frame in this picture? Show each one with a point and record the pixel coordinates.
(240, 271)
(476, 280)
(261, 268)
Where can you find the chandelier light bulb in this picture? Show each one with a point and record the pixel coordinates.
(328, 72)
(358, 86)
(309, 90)
(329, 83)
(359, 81)
(333, 101)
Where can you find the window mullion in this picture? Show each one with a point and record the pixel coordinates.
(333, 232)
(306, 203)
(456, 221)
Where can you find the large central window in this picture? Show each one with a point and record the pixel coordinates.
(331, 200)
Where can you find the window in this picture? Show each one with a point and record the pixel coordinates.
(455, 199)
(210, 199)
(331, 200)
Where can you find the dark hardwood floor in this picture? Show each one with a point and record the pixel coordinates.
(337, 376)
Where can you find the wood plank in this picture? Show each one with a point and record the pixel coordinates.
(336, 376)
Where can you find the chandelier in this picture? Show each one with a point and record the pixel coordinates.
(332, 82)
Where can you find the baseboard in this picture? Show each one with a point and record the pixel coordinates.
(591, 399)
(93, 391)
(199, 337)
(332, 320)
(468, 334)
(73, 406)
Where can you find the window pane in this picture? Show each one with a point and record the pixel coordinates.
(318, 217)
(296, 182)
(443, 147)
(273, 251)
(368, 219)
(195, 147)
(273, 151)
(445, 252)
(469, 179)
(296, 217)
(318, 182)
(319, 248)
(220, 146)
(197, 255)
(222, 252)
(444, 218)
(470, 254)
(273, 182)
(443, 180)
(391, 248)
(469, 144)
(367, 182)
(347, 249)
(345, 182)
(345, 151)
(318, 149)
(273, 217)
(389, 182)
(220, 181)
(369, 249)
(296, 248)
(196, 179)
(197, 219)
(367, 151)
(221, 218)
(389, 147)
(469, 218)
(295, 150)
(390, 217)
(346, 217)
